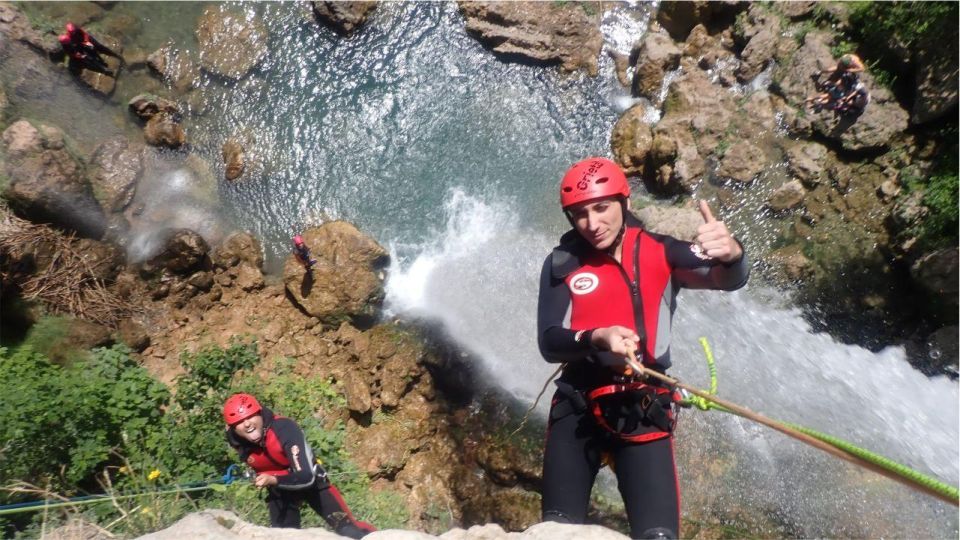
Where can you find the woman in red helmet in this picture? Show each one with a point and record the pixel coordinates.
(610, 287)
(275, 448)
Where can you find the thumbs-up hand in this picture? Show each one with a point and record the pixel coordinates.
(714, 238)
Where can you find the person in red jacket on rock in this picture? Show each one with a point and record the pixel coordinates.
(276, 449)
(607, 290)
(84, 49)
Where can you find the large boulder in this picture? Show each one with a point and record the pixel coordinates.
(146, 106)
(233, 159)
(936, 273)
(345, 16)
(236, 248)
(680, 223)
(347, 280)
(163, 130)
(181, 251)
(656, 54)
(46, 180)
(542, 32)
(743, 162)
(631, 141)
(230, 44)
(115, 169)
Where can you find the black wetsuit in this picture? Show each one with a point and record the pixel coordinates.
(284, 453)
(582, 289)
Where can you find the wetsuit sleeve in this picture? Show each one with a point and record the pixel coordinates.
(556, 340)
(298, 454)
(692, 270)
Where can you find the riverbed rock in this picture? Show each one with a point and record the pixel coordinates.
(631, 141)
(343, 17)
(146, 106)
(656, 54)
(115, 169)
(233, 160)
(230, 44)
(163, 130)
(182, 252)
(46, 180)
(347, 280)
(806, 162)
(679, 18)
(542, 32)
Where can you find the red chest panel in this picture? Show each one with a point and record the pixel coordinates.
(600, 290)
(269, 459)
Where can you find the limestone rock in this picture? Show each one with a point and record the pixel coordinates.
(787, 196)
(742, 162)
(46, 180)
(249, 278)
(357, 392)
(115, 169)
(680, 223)
(679, 17)
(343, 17)
(230, 45)
(347, 280)
(543, 32)
(656, 54)
(805, 161)
(936, 273)
(631, 141)
(236, 248)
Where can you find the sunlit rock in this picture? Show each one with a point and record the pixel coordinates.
(742, 162)
(347, 280)
(631, 141)
(233, 159)
(787, 196)
(236, 248)
(115, 169)
(231, 44)
(656, 54)
(567, 34)
(343, 17)
(181, 251)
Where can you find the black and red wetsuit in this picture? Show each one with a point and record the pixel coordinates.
(283, 452)
(84, 49)
(582, 288)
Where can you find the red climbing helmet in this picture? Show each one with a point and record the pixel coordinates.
(298, 240)
(239, 407)
(592, 178)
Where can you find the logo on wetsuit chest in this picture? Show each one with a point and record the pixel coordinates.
(583, 283)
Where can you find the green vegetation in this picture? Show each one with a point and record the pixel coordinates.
(102, 424)
(939, 227)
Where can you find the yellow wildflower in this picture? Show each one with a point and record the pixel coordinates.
(124, 470)
(154, 474)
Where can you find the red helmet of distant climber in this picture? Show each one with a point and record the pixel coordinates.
(592, 178)
(239, 407)
(298, 240)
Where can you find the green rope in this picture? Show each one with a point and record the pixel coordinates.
(104, 498)
(899, 469)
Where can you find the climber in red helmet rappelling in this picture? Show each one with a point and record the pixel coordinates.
(276, 449)
(84, 50)
(302, 252)
(608, 289)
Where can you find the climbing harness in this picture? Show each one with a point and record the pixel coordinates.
(831, 445)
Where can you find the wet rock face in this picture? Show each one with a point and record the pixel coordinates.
(163, 130)
(787, 196)
(182, 252)
(656, 54)
(936, 273)
(347, 280)
(680, 223)
(146, 106)
(541, 32)
(230, 45)
(47, 182)
(343, 17)
(115, 169)
(631, 141)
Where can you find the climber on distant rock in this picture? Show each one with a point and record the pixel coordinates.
(84, 50)
(302, 252)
